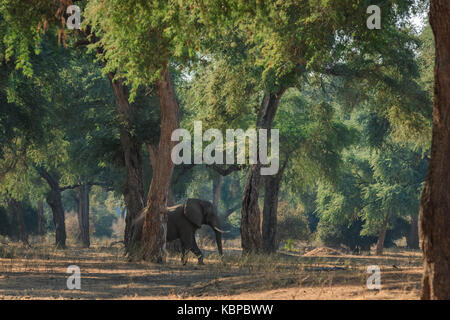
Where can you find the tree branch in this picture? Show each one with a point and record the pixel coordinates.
(225, 171)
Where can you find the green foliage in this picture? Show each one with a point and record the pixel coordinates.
(139, 38)
(292, 223)
(380, 179)
(354, 120)
(103, 210)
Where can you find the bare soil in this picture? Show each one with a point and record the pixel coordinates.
(40, 273)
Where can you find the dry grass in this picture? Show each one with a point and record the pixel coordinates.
(40, 273)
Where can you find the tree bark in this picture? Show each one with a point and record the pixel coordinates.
(382, 236)
(269, 225)
(250, 212)
(41, 219)
(152, 151)
(270, 210)
(434, 221)
(412, 239)
(133, 191)
(155, 223)
(83, 214)
(217, 188)
(55, 202)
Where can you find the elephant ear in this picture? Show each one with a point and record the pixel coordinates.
(193, 210)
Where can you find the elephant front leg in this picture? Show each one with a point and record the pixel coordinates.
(197, 251)
(184, 256)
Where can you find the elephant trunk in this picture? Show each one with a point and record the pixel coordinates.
(219, 241)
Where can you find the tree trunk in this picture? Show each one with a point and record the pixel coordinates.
(412, 239)
(434, 221)
(41, 219)
(217, 188)
(13, 231)
(382, 236)
(155, 223)
(269, 225)
(270, 210)
(152, 151)
(55, 202)
(250, 212)
(16, 209)
(83, 214)
(133, 191)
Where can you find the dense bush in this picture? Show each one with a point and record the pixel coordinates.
(103, 224)
(8, 224)
(292, 223)
(336, 235)
(341, 234)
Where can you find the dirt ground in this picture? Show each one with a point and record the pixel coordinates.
(40, 273)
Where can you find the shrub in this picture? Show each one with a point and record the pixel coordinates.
(103, 224)
(338, 234)
(292, 223)
(72, 226)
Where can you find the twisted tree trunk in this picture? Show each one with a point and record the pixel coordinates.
(250, 213)
(55, 202)
(155, 223)
(434, 222)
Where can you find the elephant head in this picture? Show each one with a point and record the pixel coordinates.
(200, 212)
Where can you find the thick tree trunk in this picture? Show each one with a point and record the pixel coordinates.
(152, 151)
(434, 222)
(250, 212)
(270, 210)
(83, 214)
(382, 236)
(133, 191)
(16, 209)
(412, 238)
(41, 219)
(155, 223)
(55, 202)
(269, 225)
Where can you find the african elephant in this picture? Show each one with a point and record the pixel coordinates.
(184, 220)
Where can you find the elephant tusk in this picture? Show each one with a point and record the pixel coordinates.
(218, 230)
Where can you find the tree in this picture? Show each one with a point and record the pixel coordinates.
(287, 41)
(312, 138)
(139, 46)
(434, 219)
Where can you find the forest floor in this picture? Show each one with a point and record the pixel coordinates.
(39, 272)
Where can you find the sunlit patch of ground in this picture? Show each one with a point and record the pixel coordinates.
(40, 273)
